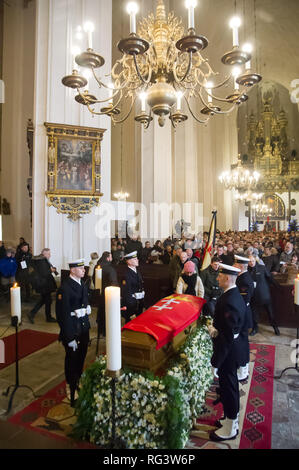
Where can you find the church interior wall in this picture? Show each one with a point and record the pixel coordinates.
(18, 78)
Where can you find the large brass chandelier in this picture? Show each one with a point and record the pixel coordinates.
(164, 67)
(242, 180)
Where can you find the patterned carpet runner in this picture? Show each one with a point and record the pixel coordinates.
(52, 415)
(256, 403)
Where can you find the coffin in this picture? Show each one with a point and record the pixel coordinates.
(151, 339)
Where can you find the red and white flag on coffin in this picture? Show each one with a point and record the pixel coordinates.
(208, 254)
(168, 317)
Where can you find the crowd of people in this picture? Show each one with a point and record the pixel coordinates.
(242, 260)
(31, 273)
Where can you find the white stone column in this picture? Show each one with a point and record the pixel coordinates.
(56, 24)
(156, 177)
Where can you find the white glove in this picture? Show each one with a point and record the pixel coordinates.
(215, 372)
(73, 344)
(88, 310)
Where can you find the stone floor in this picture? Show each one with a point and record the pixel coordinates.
(43, 370)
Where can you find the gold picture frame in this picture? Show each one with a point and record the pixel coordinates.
(74, 168)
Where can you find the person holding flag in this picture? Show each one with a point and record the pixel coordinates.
(209, 272)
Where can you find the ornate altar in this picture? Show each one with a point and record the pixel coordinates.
(269, 152)
(152, 338)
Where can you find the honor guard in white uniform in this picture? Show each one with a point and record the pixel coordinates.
(72, 312)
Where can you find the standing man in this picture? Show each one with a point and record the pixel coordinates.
(43, 283)
(230, 313)
(209, 277)
(72, 311)
(132, 290)
(262, 296)
(246, 288)
(23, 258)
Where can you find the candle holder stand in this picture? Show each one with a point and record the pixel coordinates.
(17, 385)
(115, 443)
(297, 349)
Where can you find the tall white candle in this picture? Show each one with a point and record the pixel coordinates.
(98, 278)
(296, 296)
(15, 302)
(113, 328)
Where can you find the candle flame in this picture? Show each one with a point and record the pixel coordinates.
(15, 285)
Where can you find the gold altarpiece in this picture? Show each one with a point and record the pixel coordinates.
(270, 155)
(269, 152)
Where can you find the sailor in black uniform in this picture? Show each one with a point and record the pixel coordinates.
(245, 285)
(132, 291)
(72, 311)
(230, 315)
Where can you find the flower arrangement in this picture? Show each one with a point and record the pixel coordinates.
(151, 412)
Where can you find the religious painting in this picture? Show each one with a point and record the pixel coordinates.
(74, 168)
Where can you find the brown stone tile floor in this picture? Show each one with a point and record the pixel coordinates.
(43, 370)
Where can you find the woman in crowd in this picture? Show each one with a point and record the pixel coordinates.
(189, 282)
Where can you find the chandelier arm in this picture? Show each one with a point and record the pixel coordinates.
(193, 115)
(187, 72)
(88, 102)
(101, 84)
(127, 115)
(208, 105)
(98, 113)
(146, 82)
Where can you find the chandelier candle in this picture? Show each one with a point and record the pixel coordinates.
(235, 24)
(113, 328)
(179, 101)
(191, 4)
(15, 302)
(89, 29)
(132, 9)
(142, 97)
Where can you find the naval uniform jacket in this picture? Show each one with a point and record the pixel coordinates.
(70, 297)
(132, 284)
(229, 318)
